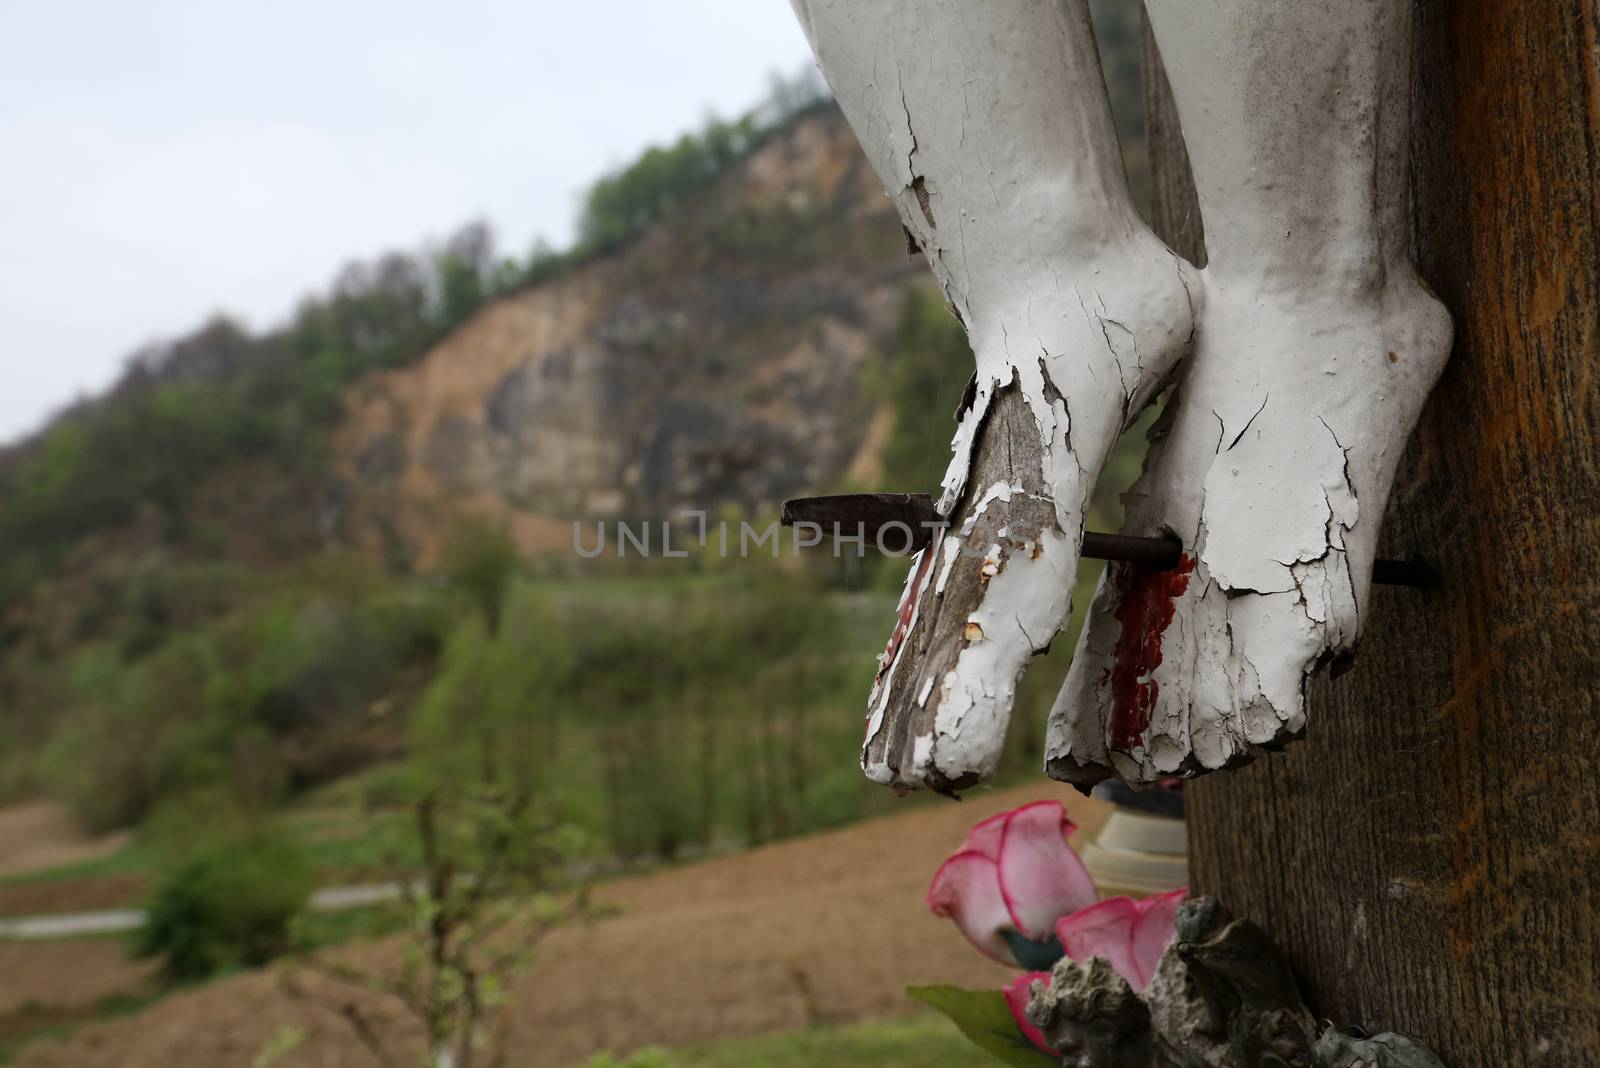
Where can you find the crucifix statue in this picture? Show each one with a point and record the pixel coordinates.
(1299, 358)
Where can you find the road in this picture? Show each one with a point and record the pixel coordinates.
(112, 921)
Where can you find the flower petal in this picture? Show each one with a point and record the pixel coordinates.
(1131, 935)
(1017, 992)
(1041, 877)
(985, 836)
(1154, 930)
(966, 889)
(1103, 930)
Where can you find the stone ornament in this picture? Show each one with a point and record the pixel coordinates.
(1223, 996)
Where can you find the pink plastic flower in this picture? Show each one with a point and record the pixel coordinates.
(1014, 873)
(1017, 992)
(1130, 934)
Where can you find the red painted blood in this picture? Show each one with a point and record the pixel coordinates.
(908, 611)
(1145, 605)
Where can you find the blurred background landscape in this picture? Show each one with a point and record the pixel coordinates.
(274, 587)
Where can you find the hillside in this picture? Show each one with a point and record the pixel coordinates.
(716, 361)
(263, 561)
(278, 604)
(722, 292)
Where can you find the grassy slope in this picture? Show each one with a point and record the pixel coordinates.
(920, 1041)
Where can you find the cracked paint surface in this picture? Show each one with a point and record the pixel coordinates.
(988, 126)
(1303, 353)
(1281, 445)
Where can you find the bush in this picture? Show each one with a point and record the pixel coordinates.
(138, 732)
(314, 660)
(489, 713)
(225, 903)
(480, 559)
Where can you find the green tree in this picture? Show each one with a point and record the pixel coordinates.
(490, 863)
(479, 560)
(921, 379)
(225, 902)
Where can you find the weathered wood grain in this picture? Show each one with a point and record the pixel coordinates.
(989, 127)
(1430, 855)
(1174, 203)
(1007, 451)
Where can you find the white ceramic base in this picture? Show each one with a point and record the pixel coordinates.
(1135, 853)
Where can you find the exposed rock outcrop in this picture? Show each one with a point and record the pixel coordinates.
(717, 360)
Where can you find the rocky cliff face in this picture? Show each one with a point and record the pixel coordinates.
(717, 360)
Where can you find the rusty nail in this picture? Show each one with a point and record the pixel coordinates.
(869, 514)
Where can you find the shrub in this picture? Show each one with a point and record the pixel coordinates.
(480, 560)
(489, 712)
(138, 732)
(225, 903)
(314, 659)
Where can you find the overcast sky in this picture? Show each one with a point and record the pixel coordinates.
(164, 159)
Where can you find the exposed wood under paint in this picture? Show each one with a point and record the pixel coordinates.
(1313, 348)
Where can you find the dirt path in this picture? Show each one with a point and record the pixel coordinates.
(826, 928)
(43, 834)
(49, 982)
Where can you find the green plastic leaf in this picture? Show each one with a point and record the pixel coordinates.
(983, 1017)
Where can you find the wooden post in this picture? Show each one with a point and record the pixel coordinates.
(1429, 855)
(1173, 202)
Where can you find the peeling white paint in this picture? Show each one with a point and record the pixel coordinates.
(988, 125)
(1000, 491)
(952, 548)
(1314, 343)
(1316, 349)
(981, 688)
